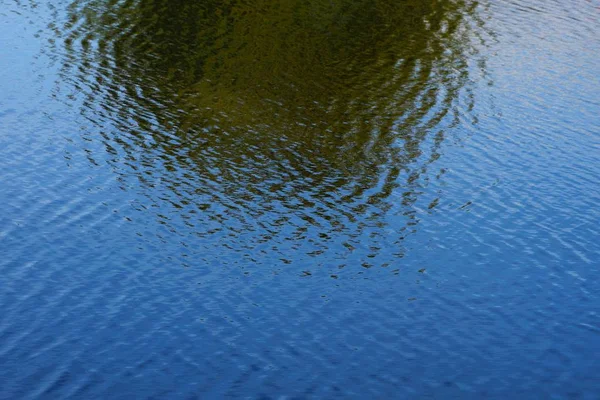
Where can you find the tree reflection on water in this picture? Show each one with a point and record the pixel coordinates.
(307, 125)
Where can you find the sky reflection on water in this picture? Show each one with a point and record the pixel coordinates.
(299, 199)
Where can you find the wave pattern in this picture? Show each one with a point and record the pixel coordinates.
(277, 151)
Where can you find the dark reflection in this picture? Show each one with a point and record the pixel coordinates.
(308, 125)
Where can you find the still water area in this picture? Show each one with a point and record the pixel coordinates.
(299, 199)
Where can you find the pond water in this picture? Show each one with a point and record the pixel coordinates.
(299, 199)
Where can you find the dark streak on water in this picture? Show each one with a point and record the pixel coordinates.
(299, 199)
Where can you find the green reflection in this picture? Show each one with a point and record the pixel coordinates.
(309, 103)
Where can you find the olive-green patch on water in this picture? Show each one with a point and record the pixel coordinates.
(281, 104)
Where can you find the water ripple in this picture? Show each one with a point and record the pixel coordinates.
(256, 199)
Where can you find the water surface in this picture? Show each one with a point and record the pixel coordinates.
(299, 199)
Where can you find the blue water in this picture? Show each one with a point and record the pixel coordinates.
(289, 200)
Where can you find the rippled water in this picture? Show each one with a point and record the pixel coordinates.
(299, 199)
